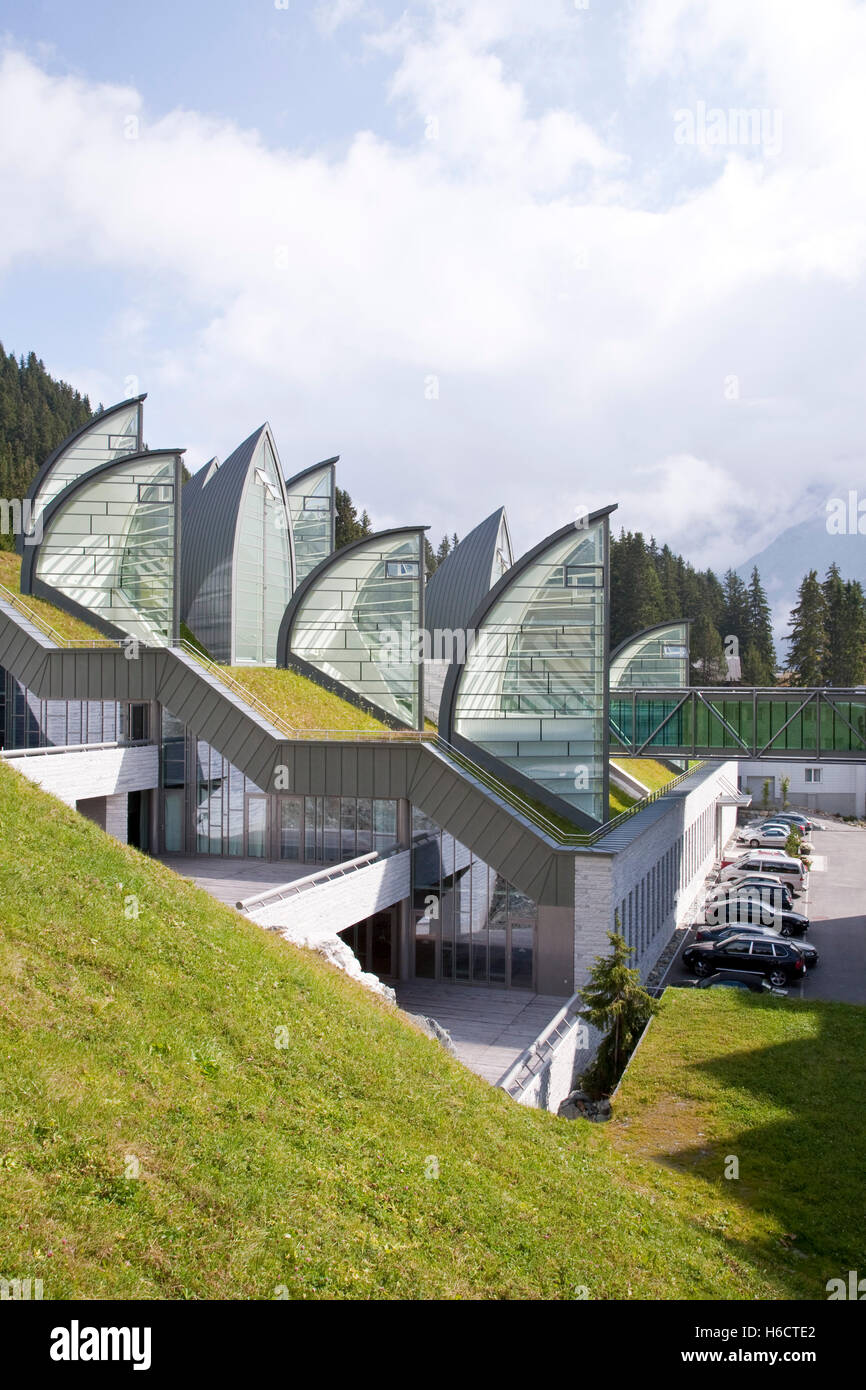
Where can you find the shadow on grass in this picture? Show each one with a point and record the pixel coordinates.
(791, 1114)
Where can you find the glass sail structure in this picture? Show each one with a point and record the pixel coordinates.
(658, 656)
(312, 508)
(109, 550)
(110, 435)
(237, 562)
(532, 690)
(263, 561)
(358, 621)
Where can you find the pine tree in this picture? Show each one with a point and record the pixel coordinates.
(349, 527)
(707, 653)
(762, 662)
(834, 599)
(808, 634)
(735, 619)
(851, 667)
(617, 1004)
(36, 414)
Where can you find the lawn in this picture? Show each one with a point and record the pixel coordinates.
(300, 702)
(192, 1108)
(62, 623)
(652, 773)
(777, 1085)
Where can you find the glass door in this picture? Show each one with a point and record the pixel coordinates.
(256, 826)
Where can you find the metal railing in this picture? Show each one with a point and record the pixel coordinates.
(91, 643)
(321, 876)
(534, 1058)
(282, 725)
(508, 794)
(48, 749)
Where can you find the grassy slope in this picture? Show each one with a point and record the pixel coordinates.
(62, 623)
(301, 702)
(653, 774)
(154, 1037)
(779, 1085)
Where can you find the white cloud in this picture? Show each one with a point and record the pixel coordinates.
(581, 330)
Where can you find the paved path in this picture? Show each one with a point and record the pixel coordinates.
(230, 880)
(490, 1027)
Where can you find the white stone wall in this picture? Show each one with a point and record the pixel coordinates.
(842, 788)
(79, 775)
(116, 816)
(655, 880)
(326, 909)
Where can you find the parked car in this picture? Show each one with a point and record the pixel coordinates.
(794, 818)
(810, 954)
(753, 912)
(790, 871)
(737, 979)
(769, 886)
(781, 962)
(770, 836)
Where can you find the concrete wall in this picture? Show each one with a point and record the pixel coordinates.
(654, 878)
(87, 773)
(841, 790)
(326, 909)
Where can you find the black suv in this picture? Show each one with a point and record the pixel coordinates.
(779, 961)
(719, 934)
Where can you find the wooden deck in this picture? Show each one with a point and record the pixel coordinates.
(489, 1027)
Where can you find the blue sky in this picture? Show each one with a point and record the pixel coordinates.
(548, 255)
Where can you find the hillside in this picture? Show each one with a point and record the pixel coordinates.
(36, 413)
(148, 1043)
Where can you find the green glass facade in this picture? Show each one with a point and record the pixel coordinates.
(108, 437)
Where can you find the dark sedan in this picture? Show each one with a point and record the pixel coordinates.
(780, 962)
(751, 912)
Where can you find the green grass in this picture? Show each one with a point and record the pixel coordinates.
(619, 801)
(653, 774)
(302, 703)
(150, 1040)
(778, 1084)
(62, 623)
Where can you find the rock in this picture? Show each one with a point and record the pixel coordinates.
(338, 954)
(435, 1031)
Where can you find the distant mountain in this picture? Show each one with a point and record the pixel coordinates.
(807, 546)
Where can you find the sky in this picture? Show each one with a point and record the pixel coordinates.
(548, 256)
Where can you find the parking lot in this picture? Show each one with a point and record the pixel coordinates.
(836, 907)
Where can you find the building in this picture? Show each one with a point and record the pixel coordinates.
(479, 854)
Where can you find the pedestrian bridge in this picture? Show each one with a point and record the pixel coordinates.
(779, 723)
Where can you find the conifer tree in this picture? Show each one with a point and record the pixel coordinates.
(808, 634)
(617, 1004)
(759, 636)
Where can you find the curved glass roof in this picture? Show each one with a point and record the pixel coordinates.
(312, 501)
(108, 436)
(657, 657)
(109, 546)
(359, 619)
(532, 690)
